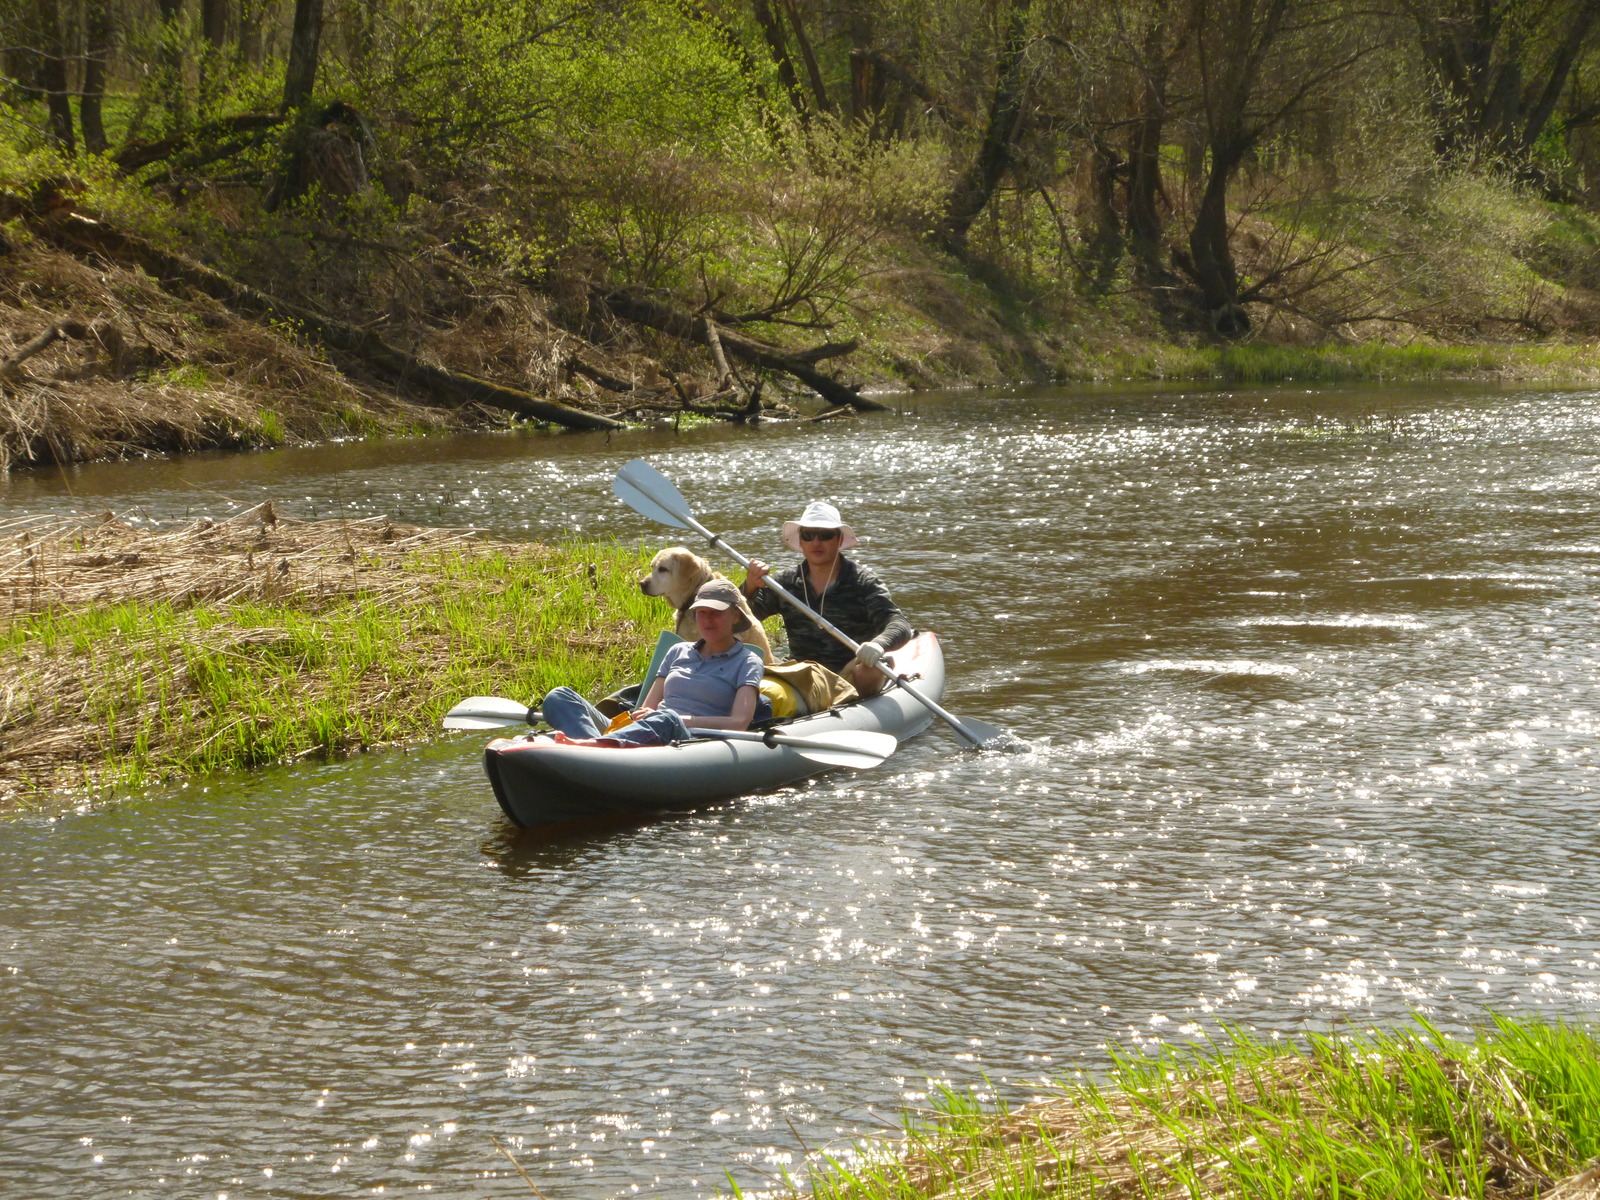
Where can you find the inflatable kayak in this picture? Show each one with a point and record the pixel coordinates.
(539, 781)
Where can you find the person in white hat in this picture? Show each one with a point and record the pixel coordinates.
(849, 595)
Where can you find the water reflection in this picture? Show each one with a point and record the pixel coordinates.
(1309, 692)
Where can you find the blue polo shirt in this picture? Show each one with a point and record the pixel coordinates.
(700, 685)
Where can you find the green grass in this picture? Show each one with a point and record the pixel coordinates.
(152, 691)
(1408, 1113)
(1342, 364)
(270, 427)
(1368, 362)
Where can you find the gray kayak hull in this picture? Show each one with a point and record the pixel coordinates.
(542, 782)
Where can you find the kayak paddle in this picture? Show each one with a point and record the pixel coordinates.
(490, 712)
(857, 748)
(651, 494)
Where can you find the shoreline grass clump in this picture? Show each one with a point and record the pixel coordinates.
(132, 655)
(1510, 1114)
(1334, 363)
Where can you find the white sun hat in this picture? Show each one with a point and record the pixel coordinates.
(818, 515)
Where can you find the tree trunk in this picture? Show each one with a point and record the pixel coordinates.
(58, 99)
(214, 22)
(299, 84)
(1584, 29)
(455, 388)
(79, 233)
(1234, 43)
(972, 194)
(819, 92)
(300, 80)
(1211, 253)
(867, 83)
(1103, 241)
(170, 60)
(1144, 154)
(98, 30)
(778, 48)
(249, 49)
(49, 46)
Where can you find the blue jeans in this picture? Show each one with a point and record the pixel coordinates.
(574, 716)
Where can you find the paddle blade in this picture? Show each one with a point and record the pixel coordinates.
(857, 748)
(854, 748)
(487, 712)
(986, 737)
(650, 494)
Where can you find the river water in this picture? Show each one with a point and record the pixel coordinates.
(1310, 682)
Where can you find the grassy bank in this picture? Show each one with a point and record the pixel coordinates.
(130, 655)
(1513, 1112)
(140, 364)
(1553, 363)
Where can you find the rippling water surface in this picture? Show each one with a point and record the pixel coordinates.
(1310, 680)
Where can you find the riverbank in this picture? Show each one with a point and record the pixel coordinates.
(132, 345)
(1510, 1114)
(131, 654)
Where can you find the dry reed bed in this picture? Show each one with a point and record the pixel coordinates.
(56, 563)
(121, 641)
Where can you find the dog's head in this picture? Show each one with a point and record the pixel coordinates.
(675, 573)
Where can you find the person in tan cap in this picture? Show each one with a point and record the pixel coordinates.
(710, 683)
(849, 595)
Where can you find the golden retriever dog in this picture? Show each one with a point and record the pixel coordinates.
(676, 574)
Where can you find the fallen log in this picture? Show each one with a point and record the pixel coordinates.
(827, 350)
(205, 145)
(605, 379)
(682, 325)
(78, 233)
(103, 334)
(831, 414)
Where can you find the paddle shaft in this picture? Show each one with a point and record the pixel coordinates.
(833, 630)
(802, 743)
(845, 747)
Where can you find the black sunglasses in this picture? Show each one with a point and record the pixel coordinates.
(818, 535)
